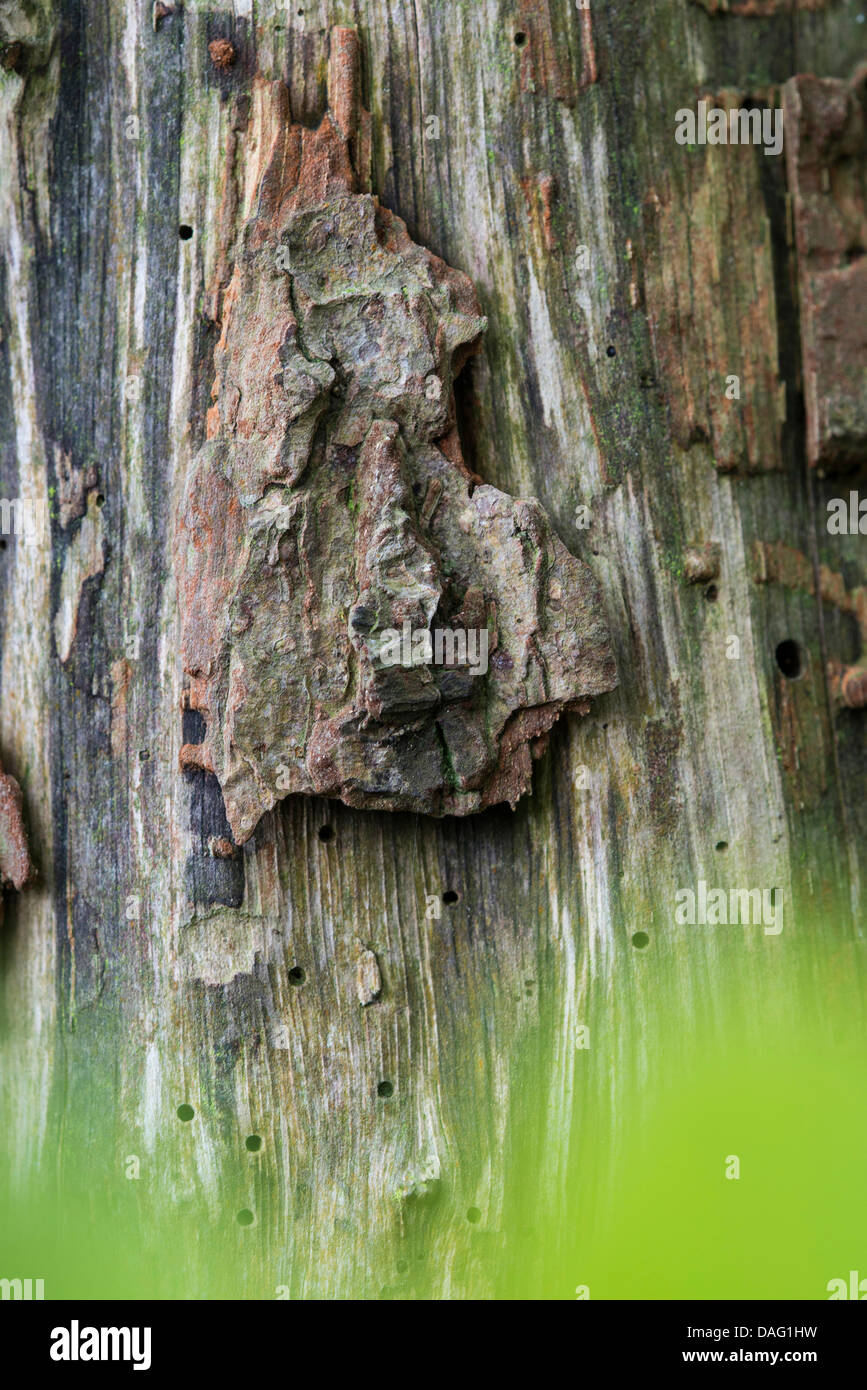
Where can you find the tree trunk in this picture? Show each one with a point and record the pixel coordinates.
(381, 1053)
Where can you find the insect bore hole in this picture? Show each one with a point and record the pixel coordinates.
(790, 659)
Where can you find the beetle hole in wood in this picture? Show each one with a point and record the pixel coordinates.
(185, 231)
(450, 897)
(711, 593)
(385, 1089)
(640, 940)
(790, 659)
(253, 1143)
(611, 350)
(326, 833)
(297, 975)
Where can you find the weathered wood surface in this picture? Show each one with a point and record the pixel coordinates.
(298, 989)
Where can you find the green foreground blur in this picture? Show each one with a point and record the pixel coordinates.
(728, 1161)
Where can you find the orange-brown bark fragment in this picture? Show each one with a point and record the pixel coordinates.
(707, 235)
(343, 80)
(121, 676)
(15, 865)
(826, 160)
(848, 685)
(222, 54)
(196, 757)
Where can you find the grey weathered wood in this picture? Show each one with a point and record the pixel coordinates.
(112, 1021)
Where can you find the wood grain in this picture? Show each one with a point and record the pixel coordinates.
(143, 972)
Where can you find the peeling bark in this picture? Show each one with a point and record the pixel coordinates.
(326, 515)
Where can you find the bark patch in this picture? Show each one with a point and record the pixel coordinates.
(330, 508)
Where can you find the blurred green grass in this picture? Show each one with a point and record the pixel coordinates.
(642, 1208)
